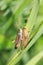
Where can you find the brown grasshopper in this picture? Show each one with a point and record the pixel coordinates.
(18, 38)
(22, 36)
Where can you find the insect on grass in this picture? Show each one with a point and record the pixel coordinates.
(22, 37)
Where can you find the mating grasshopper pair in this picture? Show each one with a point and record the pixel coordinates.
(22, 36)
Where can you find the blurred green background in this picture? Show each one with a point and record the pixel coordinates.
(15, 14)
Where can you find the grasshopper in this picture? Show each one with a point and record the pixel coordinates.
(22, 36)
(18, 38)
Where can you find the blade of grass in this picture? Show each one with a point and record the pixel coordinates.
(13, 59)
(37, 26)
(21, 6)
(35, 59)
(6, 25)
(34, 12)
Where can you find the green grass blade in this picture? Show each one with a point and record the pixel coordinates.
(21, 6)
(38, 24)
(6, 25)
(35, 59)
(33, 15)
